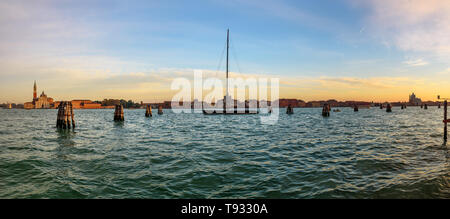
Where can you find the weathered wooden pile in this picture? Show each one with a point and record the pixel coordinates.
(65, 116)
(118, 113)
(388, 108)
(326, 110)
(160, 110)
(290, 110)
(148, 111)
(355, 108)
(445, 120)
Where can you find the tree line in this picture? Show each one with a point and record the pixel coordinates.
(124, 103)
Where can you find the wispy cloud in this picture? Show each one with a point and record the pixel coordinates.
(411, 25)
(352, 82)
(415, 62)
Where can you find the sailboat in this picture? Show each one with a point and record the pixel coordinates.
(225, 110)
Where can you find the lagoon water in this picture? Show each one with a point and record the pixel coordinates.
(367, 154)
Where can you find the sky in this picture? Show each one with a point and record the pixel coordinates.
(369, 50)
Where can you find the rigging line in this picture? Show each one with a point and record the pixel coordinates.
(220, 61)
(235, 58)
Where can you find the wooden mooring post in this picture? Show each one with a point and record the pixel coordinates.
(326, 110)
(65, 117)
(118, 113)
(148, 111)
(160, 110)
(388, 108)
(355, 108)
(445, 121)
(289, 110)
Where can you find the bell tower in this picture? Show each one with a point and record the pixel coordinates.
(34, 91)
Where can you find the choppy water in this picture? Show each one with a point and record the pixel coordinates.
(368, 154)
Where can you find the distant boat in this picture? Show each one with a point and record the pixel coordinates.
(225, 110)
(336, 110)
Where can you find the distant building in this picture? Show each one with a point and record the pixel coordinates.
(45, 102)
(286, 102)
(413, 100)
(333, 103)
(85, 104)
(301, 103)
(167, 104)
(41, 102)
(313, 104)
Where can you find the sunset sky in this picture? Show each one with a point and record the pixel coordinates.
(372, 50)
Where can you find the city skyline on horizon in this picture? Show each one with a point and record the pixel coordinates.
(344, 50)
(36, 91)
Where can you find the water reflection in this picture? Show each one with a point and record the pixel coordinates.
(119, 124)
(65, 137)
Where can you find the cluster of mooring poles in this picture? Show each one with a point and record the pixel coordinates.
(118, 113)
(148, 111)
(289, 110)
(326, 110)
(65, 116)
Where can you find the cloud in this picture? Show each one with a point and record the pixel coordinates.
(411, 25)
(415, 62)
(71, 80)
(364, 83)
(350, 82)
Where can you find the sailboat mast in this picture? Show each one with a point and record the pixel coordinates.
(228, 40)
